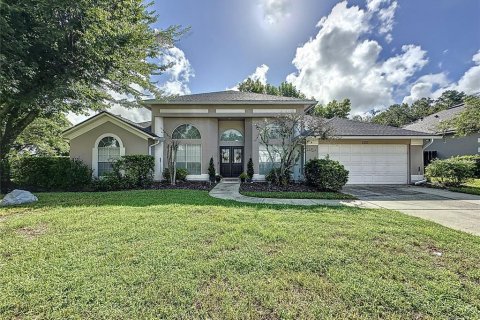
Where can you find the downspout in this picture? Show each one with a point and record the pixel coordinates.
(150, 150)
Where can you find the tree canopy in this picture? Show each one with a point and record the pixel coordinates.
(43, 137)
(399, 115)
(285, 89)
(72, 55)
(468, 121)
(339, 109)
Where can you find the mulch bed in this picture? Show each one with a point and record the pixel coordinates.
(191, 185)
(264, 186)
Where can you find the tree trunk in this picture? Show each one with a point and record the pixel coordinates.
(4, 172)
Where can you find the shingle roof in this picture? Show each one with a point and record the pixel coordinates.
(346, 127)
(230, 96)
(430, 123)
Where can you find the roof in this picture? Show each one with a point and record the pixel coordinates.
(345, 127)
(144, 127)
(230, 97)
(430, 123)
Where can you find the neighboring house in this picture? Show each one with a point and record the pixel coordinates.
(450, 145)
(222, 125)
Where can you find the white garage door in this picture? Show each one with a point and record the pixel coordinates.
(370, 163)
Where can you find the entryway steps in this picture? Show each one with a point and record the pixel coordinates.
(230, 180)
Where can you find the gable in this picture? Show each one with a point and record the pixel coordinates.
(100, 119)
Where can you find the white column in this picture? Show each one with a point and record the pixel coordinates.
(158, 153)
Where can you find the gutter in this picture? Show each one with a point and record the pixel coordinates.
(150, 149)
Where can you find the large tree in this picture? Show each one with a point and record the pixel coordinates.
(70, 55)
(285, 89)
(399, 115)
(43, 137)
(468, 121)
(334, 108)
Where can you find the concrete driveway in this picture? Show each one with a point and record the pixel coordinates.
(452, 209)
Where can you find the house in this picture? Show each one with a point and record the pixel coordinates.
(450, 145)
(222, 125)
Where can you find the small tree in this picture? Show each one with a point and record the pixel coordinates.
(172, 148)
(211, 170)
(250, 171)
(284, 138)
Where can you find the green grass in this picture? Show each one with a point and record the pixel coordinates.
(298, 195)
(182, 254)
(471, 187)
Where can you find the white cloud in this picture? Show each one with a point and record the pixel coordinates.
(434, 84)
(259, 74)
(340, 62)
(275, 10)
(179, 73)
(178, 77)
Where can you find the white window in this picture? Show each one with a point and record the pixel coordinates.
(265, 160)
(189, 156)
(108, 153)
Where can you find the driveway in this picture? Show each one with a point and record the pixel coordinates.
(452, 209)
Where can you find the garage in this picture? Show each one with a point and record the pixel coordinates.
(370, 163)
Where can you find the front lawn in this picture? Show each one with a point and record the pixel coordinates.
(182, 254)
(471, 187)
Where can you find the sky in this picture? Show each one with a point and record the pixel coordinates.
(374, 52)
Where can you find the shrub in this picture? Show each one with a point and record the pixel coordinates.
(250, 171)
(211, 170)
(111, 182)
(180, 176)
(275, 176)
(476, 160)
(51, 173)
(137, 170)
(450, 172)
(326, 174)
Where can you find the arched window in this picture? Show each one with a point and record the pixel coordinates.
(232, 135)
(186, 131)
(189, 155)
(108, 153)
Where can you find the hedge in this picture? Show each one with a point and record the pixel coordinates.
(51, 174)
(326, 174)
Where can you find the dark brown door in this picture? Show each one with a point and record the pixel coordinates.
(231, 161)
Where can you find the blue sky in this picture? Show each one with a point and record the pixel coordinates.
(230, 39)
(375, 52)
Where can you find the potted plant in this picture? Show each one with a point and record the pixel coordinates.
(218, 178)
(243, 177)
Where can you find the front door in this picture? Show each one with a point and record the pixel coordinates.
(231, 161)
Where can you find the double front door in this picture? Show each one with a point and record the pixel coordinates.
(231, 161)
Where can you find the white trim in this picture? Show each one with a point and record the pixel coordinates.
(183, 110)
(381, 137)
(258, 177)
(228, 102)
(198, 177)
(416, 142)
(274, 111)
(95, 151)
(159, 149)
(98, 120)
(416, 177)
(230, 110)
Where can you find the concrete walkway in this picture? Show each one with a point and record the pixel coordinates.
(230, 191)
